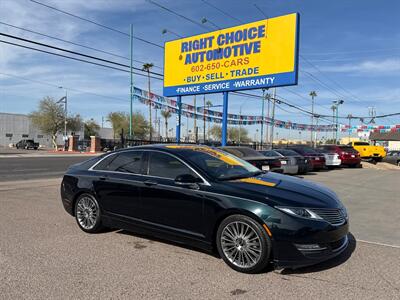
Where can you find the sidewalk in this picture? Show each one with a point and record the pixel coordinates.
(14, 153)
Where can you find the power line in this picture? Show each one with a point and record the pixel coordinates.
(323, 84)
(74, 43)
(221, 11)
(260, 10)
(177, 14)
(336, 83)
(352, 52)
(74, 52)
(77, 59)
(96, 23)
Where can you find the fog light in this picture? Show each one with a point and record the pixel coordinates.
(309, 247)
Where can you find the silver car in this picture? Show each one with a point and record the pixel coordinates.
(288, 164)
(332, 159)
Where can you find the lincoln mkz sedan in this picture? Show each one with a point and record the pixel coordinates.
(209, 199)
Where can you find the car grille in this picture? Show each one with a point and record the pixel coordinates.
(332, 216)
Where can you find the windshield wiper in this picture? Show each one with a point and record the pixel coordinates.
(247, 175)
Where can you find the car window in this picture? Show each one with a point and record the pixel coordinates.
(217, 163)
(242, 151)
(287, 152)
(361, 144)
(167, 166)
(128, 162)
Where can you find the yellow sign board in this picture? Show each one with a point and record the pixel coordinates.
(260, 54)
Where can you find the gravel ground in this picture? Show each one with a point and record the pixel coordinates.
(43, 254)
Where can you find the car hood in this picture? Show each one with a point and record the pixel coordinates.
(282, 190)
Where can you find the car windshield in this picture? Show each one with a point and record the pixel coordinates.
(305, 150)
(242, 151)
(216, 163)
(347, 148)
(361, 144)
(270, 153)
(287, 152)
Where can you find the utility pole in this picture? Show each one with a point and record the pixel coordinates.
(262, 119)
(204, 119)
(195, 120)
(333, 107)
(132, 92)
(350, 116)
(273, 118)
(316, 132)
(65, 114)
(268, 97)
(313, 94)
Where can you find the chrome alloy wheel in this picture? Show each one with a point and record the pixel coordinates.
(241, 244)
(86, 212)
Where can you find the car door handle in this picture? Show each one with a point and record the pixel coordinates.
(150, 182)
(102, 178)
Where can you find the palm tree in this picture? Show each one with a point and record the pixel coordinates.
(313, 94)
(147, 67)
(166, 115)
(208, 104)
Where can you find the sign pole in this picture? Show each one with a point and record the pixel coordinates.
(178, 120)
(225, 119)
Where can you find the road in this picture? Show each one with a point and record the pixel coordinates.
(40, 166)
(43, 253)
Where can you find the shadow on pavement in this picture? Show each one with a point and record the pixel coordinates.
(152, 238)
(334, 262)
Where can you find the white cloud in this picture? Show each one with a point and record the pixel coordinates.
(369, 66)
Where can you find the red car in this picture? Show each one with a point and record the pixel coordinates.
(349, 156)
(317, 160)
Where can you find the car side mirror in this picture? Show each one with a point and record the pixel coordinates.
(187, 180)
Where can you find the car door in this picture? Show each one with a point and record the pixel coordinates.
(118, 184)
(167, 205)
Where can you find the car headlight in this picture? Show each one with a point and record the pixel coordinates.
(299, 212)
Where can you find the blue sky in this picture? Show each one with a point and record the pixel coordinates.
(354, 44)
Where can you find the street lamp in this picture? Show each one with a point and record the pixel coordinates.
(165, 31)
(205, 20)
(64, 100)
(335, 107)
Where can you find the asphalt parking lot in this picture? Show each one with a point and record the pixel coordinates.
(43, 254)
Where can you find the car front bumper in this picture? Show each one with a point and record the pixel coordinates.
(307, 245)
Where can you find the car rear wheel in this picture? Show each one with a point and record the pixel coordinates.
(243, 244)
(87, 213)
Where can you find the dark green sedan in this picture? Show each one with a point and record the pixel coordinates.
(209, 199)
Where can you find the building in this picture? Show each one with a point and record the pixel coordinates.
(390, 139)
(15, 127)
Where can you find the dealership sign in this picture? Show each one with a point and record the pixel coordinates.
(261, 54)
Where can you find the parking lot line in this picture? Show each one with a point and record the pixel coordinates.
(379, 244)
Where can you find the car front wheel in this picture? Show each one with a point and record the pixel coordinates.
(243, 244)
(87, 213)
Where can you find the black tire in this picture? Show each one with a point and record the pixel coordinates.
(264, 245)
(89, 201)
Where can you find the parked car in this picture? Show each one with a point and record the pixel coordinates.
(255, 158)
(370, 152)
(316, 159)
(347, 154)
(331, 158)
(209, 199)
(288, 164)
(27, 144)
(393, 157)
(304, 164)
